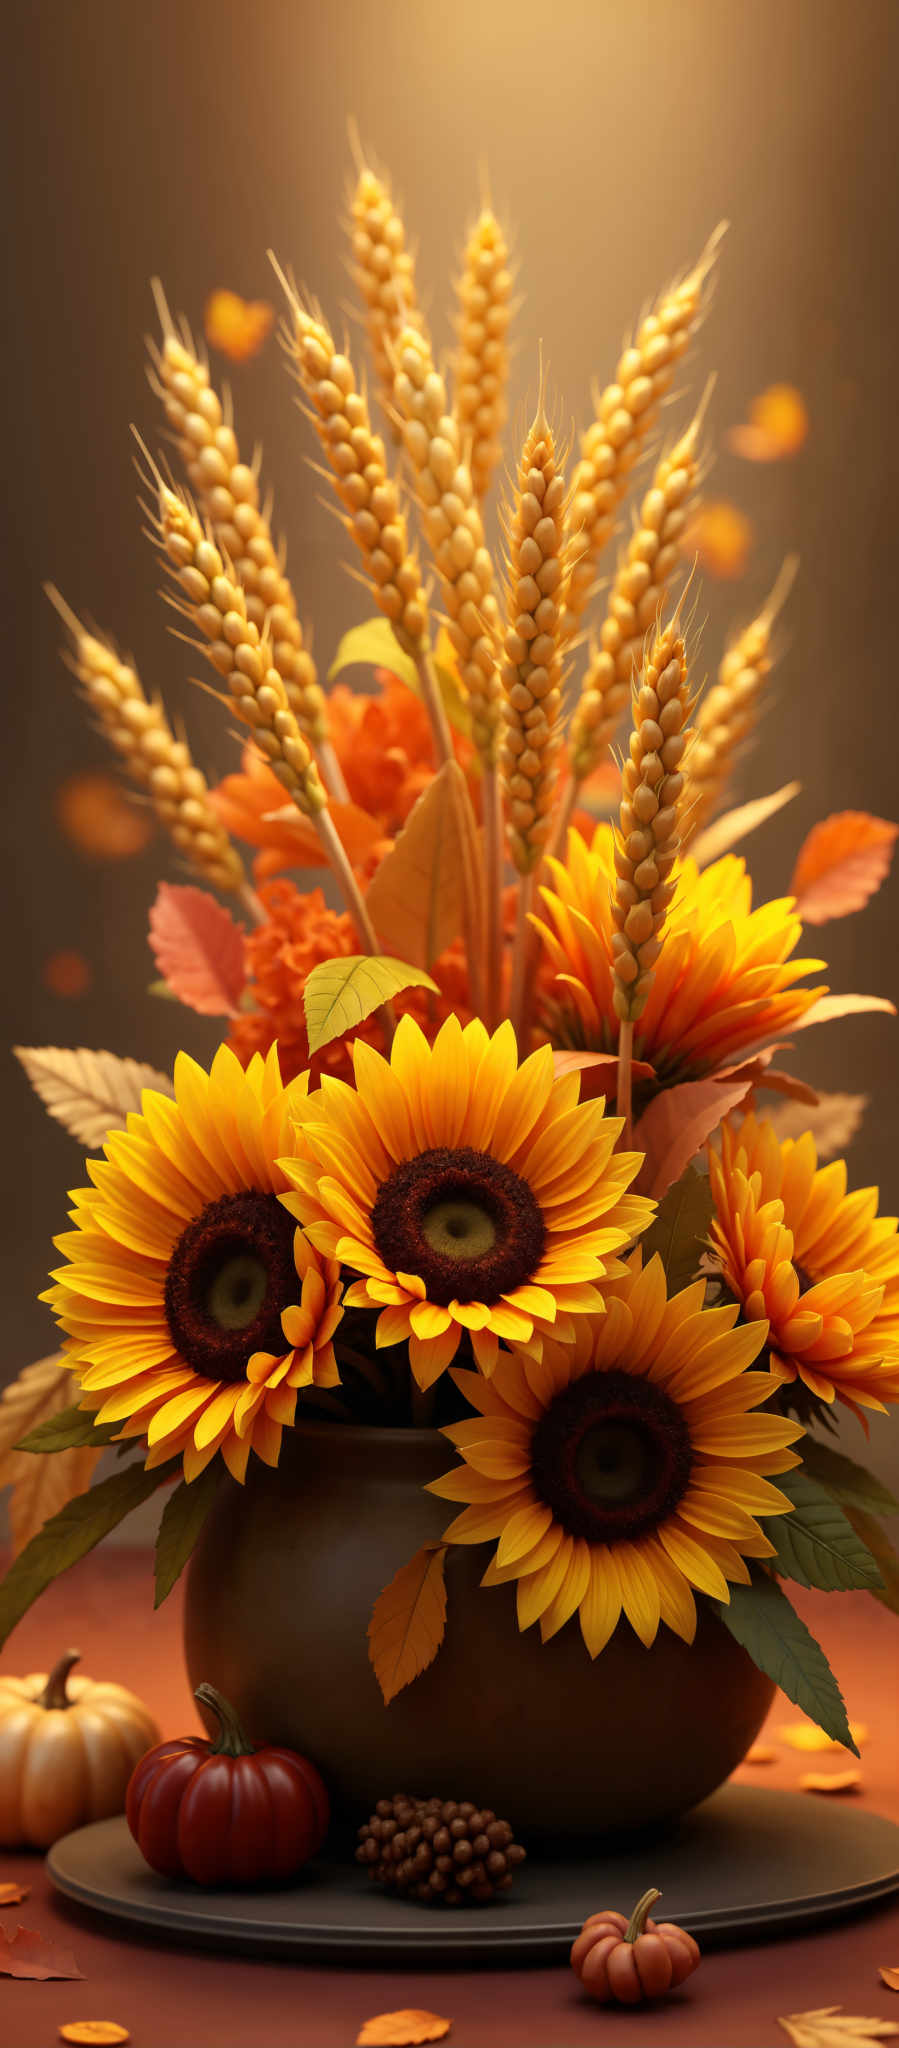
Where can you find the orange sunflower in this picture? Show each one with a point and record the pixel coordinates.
(193, 1308)
(819, 1264)
(623, 1470)
(470, 1193)
(724, 980)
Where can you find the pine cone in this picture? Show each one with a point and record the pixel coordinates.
(438, 1851)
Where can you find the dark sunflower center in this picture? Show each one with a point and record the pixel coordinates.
(468, 1226)
(611, 1457)
(230, 1275)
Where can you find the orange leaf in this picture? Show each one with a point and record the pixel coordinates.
(198, 949)
(732, 826)
(842, 863)
(678, 1122)
(27, 1954)
(598, 1070)
(93, 2033)
(890, 1978)
(406, 2029)
(830, 1781)
(409, 1620)
(14, 1894)
(778, 425)
(721, 535)
(237, 326)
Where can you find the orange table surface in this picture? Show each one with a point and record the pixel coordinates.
(172, 1996)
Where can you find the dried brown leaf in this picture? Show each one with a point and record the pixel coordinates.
(833, 1122)
(828, 2026)
(88, 1092)
(14, 1894)
(841, 865)
(41, 1485)
(830, 1781)
(27, 1954)
(406, 2029)
(408, 1620)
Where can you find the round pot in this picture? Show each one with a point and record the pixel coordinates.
(279, 1598)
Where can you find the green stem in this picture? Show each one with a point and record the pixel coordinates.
(230, 1740)
(54, 1693)
(637, 1922)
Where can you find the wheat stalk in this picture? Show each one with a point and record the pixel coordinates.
(625, 412)
(137, 727)
(481, 368)
(384, 272)
(728, 713)
(647, 845)
(226, 491)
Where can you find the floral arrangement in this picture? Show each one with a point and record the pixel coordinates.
(486, 1147)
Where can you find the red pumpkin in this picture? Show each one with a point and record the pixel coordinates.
(623, 1961)
(223, 1812)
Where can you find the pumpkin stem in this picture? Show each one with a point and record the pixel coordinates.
(637, 1922)
(230, 1740)
(54, 1693)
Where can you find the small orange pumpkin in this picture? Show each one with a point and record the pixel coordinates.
(624, 1961)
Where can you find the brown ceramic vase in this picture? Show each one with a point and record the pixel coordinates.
(280, 1594)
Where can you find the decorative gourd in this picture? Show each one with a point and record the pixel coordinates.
(623, 1961)
(222, 1812)
(68, 1747)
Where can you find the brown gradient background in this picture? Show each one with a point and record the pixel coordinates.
(185, 139)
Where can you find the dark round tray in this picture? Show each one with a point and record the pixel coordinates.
(746, 1863)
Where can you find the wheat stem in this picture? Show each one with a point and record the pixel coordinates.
(481, 369)
(354, 900)
(624, 1103)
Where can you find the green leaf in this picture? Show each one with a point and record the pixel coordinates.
(845, 1481)
(375, 645)
(874, 1535)
(679, 1230)
(761, 1618)
(183, 1517)
(68, 1536)
(816, 1545)
(340, 993)
(67, 1431)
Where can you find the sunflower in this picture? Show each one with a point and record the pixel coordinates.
(619, 1472)
(194, 1310)
(819, 1264)
(472, 1194)
(724, 979)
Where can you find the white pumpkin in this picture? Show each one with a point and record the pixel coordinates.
(67, 1750)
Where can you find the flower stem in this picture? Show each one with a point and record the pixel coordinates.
(522, 954)
(434, 706)
(230, 1740)
(625, 1056)
(331, 771)
(637, 1922)
(54, 1693)
(472, 906)
(493, 865)
(354, 900)
(251, 903)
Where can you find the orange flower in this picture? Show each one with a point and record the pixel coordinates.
(254, 807)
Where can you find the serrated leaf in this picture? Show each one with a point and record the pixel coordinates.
(183, 1517)
(199, 949)
(680, 1228)
(375, 645)
(816, 1545)
(71, 1533)
(90, 1093)
(409, 1620)
(69, 1430)
(415, 897)
(841, 864)
(40, 1485)
(874, 1535)
(832, 1122)
(339, 994)
(39, 1390)
(846, 1481)
(760, 1617)
(727, 831)
(828, 2026)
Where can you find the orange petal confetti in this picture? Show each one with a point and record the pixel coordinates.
(14, 1894)
(760, 1753)
(804, 1735)
(99, 818)
(778, 425)
(406, 2029)
(890, 1978)
(830, 1781)
(85, 2032)
(236, 326)
(67, 973)
(721, 536)
(842, 863)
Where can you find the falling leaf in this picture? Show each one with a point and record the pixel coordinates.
(415, 898)
(14, 1894)
(90, 1093)
(760, 1753)
(99, 818)
(27, 1954)
(67, 973)
(841, 865)
(890, 1978)
(721, 536)
(678, 1122)
(338, 994)
(406, 2029)
(778, 425)
(732, 826)
(409, 1620)
(805, 1735)
(198, 949)
(830, 1781)
(832, 1124)
(236, 326)
(828, 2026)
(97, 2032)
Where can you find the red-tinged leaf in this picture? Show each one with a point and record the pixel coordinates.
(678, 1122)
(410, 2028)
(27, 1954)
(828, 1008)
(728, 830)
(408, 1621)
(841, 865)
(598, 1071)
(198, 949)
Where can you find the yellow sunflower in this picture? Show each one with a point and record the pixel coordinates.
(819, 1264)
(618, 1473)
(724, 980)
(194, 1310)
(471, 1193)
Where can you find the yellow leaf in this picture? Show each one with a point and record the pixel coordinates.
(29, 1399)
(833, 1121)
(828, 2026)
(41, 1484)
(406, 2029)
(375, 645)
(88, 1092)
(830, 1781)
(841, 865)
(338, 994)
(728, 830)
(415, 897)
(409, 1620)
